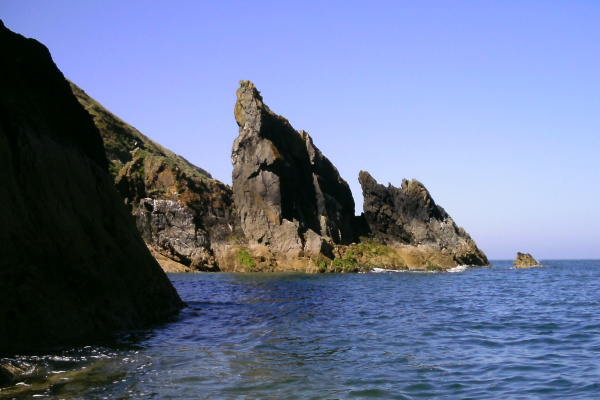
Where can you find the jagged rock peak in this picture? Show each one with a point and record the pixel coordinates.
(249, 102)
(408, 216)
(288, 194)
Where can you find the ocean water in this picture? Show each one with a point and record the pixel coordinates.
(476, 333)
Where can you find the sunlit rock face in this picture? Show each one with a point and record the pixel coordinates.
(408, 218)
(525, 260)
(289, 196)
(73, 262)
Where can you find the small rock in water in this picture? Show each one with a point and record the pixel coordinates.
(525, 260)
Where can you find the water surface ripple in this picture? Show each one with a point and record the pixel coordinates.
(477, 334)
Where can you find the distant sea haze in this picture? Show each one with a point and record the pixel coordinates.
(477, 333)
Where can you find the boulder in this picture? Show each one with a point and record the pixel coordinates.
(525, 260)
(73, 262)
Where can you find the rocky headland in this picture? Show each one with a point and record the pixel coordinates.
(73, 262)
(525, 260)
(293, 205)
(288, 209)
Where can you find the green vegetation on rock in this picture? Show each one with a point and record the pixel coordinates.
(430, 267)
(246, 259)
(121, 139)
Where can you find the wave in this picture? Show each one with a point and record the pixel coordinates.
(460, 268)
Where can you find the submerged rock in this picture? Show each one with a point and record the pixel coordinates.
(525, 260)
(408, 220)
(289, 196)
(72, 260)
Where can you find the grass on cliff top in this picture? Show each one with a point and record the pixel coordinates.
(120, 139)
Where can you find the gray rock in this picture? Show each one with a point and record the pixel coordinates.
(408, 216)
(170, 227)
(287, 194)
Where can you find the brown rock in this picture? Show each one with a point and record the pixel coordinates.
(525, 260)
(186, 217)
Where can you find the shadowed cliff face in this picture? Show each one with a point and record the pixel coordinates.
(72, 261)
(407, 217)
(288, 195)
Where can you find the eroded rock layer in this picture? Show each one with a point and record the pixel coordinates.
(407, 218)
(290, 198)
(72, 260)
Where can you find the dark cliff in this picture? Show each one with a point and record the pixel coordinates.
(408, 218)
(72, 261)
(186, 217)
(291, 200)
(297, 212)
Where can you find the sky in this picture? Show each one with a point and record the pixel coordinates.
(493, 105)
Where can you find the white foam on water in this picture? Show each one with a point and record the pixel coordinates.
(376, 270)
(460, 268)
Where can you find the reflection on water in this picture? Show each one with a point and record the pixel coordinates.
(475, 333)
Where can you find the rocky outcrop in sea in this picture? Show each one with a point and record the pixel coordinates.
(295, 208)
(525, 260)
(408, 220)
(73, 262)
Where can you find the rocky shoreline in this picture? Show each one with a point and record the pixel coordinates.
(92, 209)
(288, 208)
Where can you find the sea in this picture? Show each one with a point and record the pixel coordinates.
(472, 333)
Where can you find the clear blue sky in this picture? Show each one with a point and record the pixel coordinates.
(493, 105)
